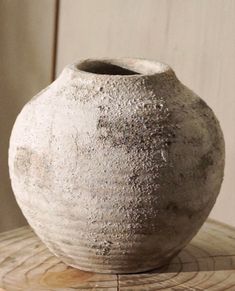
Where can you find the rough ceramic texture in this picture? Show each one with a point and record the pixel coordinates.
(116, 165)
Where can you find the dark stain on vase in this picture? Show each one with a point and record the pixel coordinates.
(30, 165)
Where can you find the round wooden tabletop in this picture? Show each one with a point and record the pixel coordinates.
(207, 263)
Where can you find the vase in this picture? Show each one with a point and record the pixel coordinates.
(116, 164)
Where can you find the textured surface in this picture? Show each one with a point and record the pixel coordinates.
(194, 37)
(116, 173)
(207, 263)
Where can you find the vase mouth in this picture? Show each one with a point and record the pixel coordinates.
(120, 67)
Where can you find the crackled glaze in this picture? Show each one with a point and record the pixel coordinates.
(116, 165)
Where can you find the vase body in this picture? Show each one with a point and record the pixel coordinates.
(116, 165)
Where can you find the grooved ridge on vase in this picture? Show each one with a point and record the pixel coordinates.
(116, 164)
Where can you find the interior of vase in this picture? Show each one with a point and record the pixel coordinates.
(122, 67)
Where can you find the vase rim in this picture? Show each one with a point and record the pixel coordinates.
(120, 67)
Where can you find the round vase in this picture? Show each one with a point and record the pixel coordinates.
(116, 164)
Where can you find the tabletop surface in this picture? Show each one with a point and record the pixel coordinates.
(207, 263)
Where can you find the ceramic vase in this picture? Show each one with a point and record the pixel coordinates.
(116, 164)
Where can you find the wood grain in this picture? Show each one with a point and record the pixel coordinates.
(207, 263)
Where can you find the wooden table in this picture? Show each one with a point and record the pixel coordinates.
(207, 263)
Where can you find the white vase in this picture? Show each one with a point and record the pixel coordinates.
(116, 165)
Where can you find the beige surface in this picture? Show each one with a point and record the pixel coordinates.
(85, 153)
(195, 37)
(26, 264)
(26, 42)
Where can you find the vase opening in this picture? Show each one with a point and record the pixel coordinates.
(122, 67)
